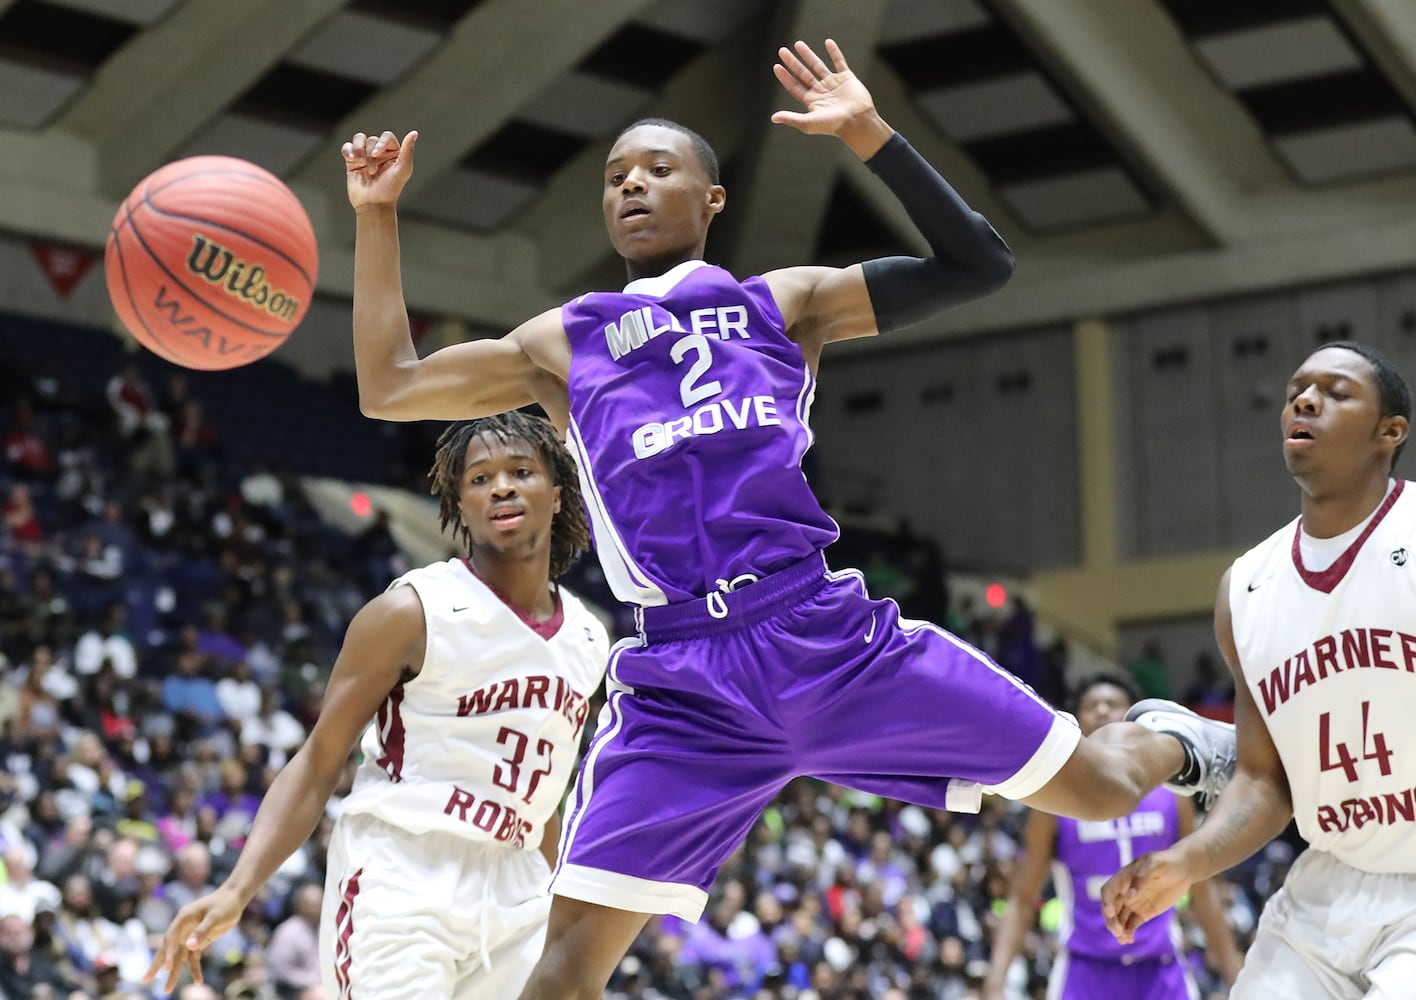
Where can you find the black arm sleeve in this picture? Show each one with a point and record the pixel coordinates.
(970, 258)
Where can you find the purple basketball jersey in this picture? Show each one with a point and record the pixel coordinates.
(689, 408)
(1090, 853)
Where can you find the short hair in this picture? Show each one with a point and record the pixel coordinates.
(570, 529)
(1392, 390)
(1116, 680)
(701, 146)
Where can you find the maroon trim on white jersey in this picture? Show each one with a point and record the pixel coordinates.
(390, 723)
(343, 931)
(1332, 576)
(546, 629)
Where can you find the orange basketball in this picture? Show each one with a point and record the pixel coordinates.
(211, 262)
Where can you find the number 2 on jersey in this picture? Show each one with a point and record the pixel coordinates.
(689, 389)
(1336, 757)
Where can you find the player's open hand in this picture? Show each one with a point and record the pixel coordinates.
(377, 167)
(193, 930)
(1145, 888)
(833, 98)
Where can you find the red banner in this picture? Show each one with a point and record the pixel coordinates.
(65, 267)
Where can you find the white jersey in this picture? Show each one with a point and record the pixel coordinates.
(482, 742)
(1330, 659)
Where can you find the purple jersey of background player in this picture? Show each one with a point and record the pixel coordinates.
(1090, 853)
(689, 408)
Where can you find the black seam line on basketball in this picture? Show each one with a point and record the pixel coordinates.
(295, 264)
(133, 302)
(133, 225)
(147, 199)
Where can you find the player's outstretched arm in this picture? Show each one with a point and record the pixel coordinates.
(1024, 891)
(970, 258)
(468, 380)
(1252, 810)
(385, 638)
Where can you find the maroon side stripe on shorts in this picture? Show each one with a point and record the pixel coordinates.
(344, 930)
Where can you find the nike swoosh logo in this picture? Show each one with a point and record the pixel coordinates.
(871, 634)
(456, 610)
(1255, 585)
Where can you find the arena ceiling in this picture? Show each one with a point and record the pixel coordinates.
(1130, 150)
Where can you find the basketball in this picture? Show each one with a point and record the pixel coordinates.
(211, 262)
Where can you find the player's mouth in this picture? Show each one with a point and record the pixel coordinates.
(1299, 436)
(507, 517)
(633, 210)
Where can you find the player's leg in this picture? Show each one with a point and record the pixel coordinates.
(397, 931)
(584, 945)
(1119, 764)
(1389, 909)
(910, 704)
(507, 890)
(687, 755)
(1310, 937)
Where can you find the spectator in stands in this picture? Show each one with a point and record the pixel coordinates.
(190, 695)
(193, 875)
(85, 932)
(27, 453)
(37, 717)
(195, 440)
(25, 969)
(294, 951)
(239, 694)
(274, 729)
(108, 643)
(1211, 694)
(1149, 671)
(22, 894)
(141, 424)
(20, 520)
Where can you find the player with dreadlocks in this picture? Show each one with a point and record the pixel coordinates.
(477, 673)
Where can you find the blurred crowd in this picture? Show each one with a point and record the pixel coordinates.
(167, 622)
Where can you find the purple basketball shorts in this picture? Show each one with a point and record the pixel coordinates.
(720, 702)
(1078, 977)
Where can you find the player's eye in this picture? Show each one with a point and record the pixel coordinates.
(478, 480)
(615, 180)
(523, 473)
(661, 169)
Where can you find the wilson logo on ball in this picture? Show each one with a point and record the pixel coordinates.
(243, 280)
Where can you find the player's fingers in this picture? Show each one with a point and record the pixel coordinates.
(1113, 890)
(194, 965)
(159, 961)
(174, 974)
(406, 153)
(812, 60)
(792, 84)
(792, 118)
(1134, 919)
(795, 67)
(837, 56)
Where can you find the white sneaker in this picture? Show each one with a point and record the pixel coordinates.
(1210, 747)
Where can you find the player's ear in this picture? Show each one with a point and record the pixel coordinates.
(716, 198)
(556, 502)
(1395, 430)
